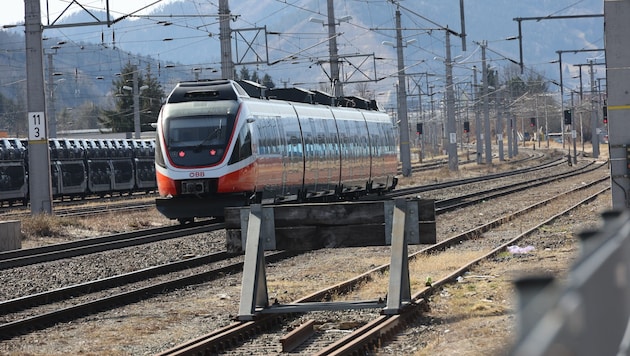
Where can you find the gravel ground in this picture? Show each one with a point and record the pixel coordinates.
(163, 321)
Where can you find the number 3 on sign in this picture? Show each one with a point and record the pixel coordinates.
(36, 126)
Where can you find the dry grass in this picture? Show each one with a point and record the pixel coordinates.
(47, 226)
(50, 228)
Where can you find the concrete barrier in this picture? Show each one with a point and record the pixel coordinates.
(10, 235)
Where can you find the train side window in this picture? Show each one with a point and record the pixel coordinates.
(243, 146)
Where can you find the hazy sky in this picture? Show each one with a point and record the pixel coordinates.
(14, 12)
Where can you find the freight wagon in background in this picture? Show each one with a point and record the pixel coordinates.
(80, 168)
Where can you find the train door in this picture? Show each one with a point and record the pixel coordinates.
(269, 155)
(332, 150)
(320, 153)
(292, 155)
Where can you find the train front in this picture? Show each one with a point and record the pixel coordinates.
(195, 158)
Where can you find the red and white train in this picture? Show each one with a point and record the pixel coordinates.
(218, 146)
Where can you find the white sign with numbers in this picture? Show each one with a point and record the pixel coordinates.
(36, 126)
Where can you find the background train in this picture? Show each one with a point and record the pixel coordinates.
(80, 167)
(221, 143)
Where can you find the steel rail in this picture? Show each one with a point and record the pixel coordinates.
(210, 344)
(16, 258)
(10, 329)
(360, 343)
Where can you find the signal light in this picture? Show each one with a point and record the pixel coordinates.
(213, 152)
(567, 117)
(466, 127)
(181, 154)
(605, 109)
(532, 122)
(419, 128)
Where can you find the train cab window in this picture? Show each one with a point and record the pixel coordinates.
(193, 131)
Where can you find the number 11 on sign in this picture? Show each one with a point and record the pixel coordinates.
(36, 126)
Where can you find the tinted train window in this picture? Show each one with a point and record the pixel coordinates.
(196, 140)
(197, 130)
(243, 146)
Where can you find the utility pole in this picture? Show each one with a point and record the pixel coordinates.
(136, 104)
(51, 112)
(486, 109)
(225, 35)
(39, 181)
(499, 98)
(595, 137)
(405, 153)
(477, 117)
(334, 57)
(450, 109)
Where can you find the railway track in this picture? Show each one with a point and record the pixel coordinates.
(24, 257)
(41, 320)
(71, 302)
(246, 337)
(16, 258)
(88, 208)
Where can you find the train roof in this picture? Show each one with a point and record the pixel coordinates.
(301, 95)
(210, 90)
(223, 89)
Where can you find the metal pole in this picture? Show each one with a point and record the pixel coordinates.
(486, 109)
(39, 181)
(499, 125)
(405, 153)
(477, 118)
(136, 104)
(225, 36)
(450, 109)
(52, 114)
(595, 136)
(334, 58)
(561, 97)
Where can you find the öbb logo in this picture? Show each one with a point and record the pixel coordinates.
(197, 174)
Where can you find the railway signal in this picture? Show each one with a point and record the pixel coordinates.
(466, 127)
(419, 128)
(567, 117)
(605, 112)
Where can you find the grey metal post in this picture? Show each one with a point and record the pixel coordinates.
(450, 109)
(136, 104)
(486, 109)
(500, 122)
(225, 36)
(51, 112)
(477, 117)
(39, 158)
(516, 134)
(617, 79)
(334, 57)
(561, 96)
(594, 123)
(405, 152)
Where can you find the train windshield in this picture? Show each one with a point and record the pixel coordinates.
(193, 131)
(196, 133)
(196, 140)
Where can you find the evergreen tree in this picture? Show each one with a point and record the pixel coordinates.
(151, 100)
(268, 82)
(12, 116)
(120, 119)
(245, 74)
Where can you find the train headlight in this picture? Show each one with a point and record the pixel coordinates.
(181, 154)
(213, 152)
